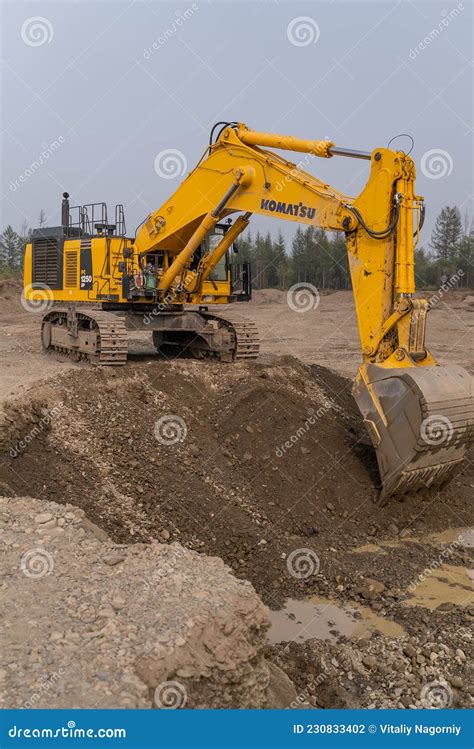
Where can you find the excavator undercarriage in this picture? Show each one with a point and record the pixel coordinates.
(180, 265)
(100, 337)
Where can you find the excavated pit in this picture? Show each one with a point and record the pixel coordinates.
(256, 463)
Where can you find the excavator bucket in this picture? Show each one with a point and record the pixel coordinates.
(420, 420)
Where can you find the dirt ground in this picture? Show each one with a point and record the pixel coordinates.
(195, 452)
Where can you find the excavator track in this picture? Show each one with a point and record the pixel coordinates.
(95, 336)
(246, 339)
(199, 334)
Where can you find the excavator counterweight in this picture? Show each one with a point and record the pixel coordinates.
(419, 415)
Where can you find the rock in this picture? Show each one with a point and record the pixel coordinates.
(281, 693)
(165, 535)
(113, 559)
(370, 588)
(44, 517)
(249, 429)
(369, 661)
(246, 457)
(456, 682)
(446, 606)
(304, 450)
(392, 528)
(409, 650)
(6, 490)
(330, 506)
(461, 654)
(50, 532)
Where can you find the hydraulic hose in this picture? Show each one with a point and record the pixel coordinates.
(371, 232)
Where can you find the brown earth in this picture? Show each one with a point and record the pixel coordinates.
(232, 486)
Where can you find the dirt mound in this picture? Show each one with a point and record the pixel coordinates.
(133, 626)
(268, 296)
(247, 462)
(10, 295)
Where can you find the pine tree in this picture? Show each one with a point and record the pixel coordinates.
(465, 257)
(299, 257)
(426, 271)
(11, 248)
(445, 237)
(41, 218)
(269, 272)
(281, 260)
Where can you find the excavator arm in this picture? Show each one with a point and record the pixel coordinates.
(420, 416)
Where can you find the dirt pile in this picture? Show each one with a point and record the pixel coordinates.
(268, 296)
(133, 626)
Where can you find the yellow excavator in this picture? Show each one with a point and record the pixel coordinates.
(420, 416)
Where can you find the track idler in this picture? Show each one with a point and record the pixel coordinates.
(420, 420)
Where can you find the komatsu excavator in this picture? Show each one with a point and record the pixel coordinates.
(419, 415)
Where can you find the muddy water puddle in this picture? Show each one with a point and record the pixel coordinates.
(463, 537)
(324, 620)
(447, 584)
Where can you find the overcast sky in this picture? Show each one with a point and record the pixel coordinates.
(102, 88)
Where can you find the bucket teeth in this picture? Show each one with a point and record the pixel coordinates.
(420, 420)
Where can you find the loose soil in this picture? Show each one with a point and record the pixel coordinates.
(249, 481)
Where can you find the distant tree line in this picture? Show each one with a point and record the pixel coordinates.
(12, 246)
(320, 258)
(316, 256)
